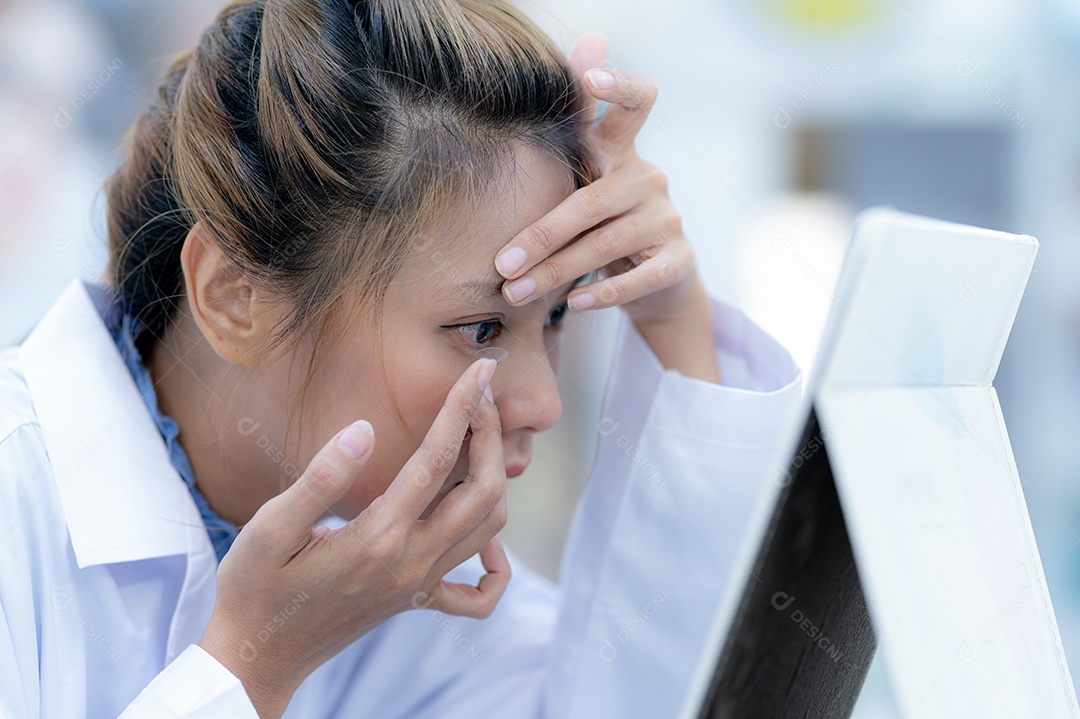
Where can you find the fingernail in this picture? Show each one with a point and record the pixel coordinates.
(483, 377)
(582, 302)
(510, 261)
(600, 79)
(519, 290)
(357, 439)
(488, 394)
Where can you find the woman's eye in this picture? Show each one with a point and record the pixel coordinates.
(482, 333)
(555, 317)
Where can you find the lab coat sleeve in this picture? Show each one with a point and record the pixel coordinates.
(193, 686)
(680, 465)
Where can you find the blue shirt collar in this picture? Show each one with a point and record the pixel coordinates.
(124, 329)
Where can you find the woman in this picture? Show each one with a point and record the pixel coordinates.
(331, 210)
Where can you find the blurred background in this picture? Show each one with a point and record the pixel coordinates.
(777, 121)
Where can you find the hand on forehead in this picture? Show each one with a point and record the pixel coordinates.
(457, 256)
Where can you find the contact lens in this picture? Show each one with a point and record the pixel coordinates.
(496, 353)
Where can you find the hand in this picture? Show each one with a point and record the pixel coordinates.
(290, 597)
(631, 229)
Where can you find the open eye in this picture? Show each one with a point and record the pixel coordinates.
(481, 333)
(556, 316)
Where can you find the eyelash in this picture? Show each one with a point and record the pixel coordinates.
(559, 312)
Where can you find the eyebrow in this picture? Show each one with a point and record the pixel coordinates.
(477, 290)
(482, 290)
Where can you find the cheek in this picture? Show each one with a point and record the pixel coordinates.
(420, 390)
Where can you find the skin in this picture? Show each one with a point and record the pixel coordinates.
(433, 492)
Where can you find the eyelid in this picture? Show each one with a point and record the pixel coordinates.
(497, 320)
(499, 328)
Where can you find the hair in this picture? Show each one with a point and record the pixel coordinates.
(317, 139)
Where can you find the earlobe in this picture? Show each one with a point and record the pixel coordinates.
(220, 297)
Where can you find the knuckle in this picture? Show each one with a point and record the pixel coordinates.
(664, 272)
(594, 199)
(542, 236)
(630, 231)
(649, 91)
(609, 243)
(264, 534)
(377, 512)
(485, 607)
(611, 291)
(442, 462)
(422, 476)
(412, 577)
(493, 497)
(649, 252)
(672, 219)
(656, 177)
(321, 478)
(389, 546)
(487, 416)
(686, 254)
(499, 517)
(421, 599)
(551, 274)
(466, 410)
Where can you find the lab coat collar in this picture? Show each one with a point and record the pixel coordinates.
(122, 498)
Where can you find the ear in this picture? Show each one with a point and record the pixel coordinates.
(222, 300)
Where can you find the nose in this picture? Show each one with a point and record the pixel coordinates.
(529, 397)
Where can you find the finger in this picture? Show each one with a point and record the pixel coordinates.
(489, 524)
(631, 235)
(288, 518)
(630, 96)
(589, 52)
(608, 197)
(665, 268)
(477, 602)
(473, 543)
(420, 479)
(481, 497)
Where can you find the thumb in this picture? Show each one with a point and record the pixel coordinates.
(290, 516)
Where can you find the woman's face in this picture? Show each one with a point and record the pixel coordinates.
(444, 305)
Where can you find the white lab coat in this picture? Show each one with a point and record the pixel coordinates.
(107, 579)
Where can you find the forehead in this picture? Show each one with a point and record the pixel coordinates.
(459, 250)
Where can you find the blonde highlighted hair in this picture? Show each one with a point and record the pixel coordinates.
(316, 138)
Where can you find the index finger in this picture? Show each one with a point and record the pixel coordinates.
(583, 210)
(422, 476)
(481, 493)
